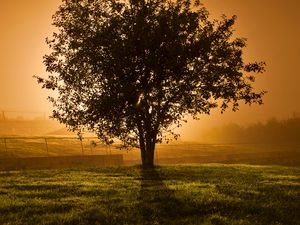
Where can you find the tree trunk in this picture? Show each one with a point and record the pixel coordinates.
(147, 139)
(148, 157)
(147, 153)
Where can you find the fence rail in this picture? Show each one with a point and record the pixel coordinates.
(23, 146)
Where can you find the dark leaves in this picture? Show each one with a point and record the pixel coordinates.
(257, 67)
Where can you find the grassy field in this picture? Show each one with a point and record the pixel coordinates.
(190, 194)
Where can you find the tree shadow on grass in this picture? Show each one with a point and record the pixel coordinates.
(158, 203)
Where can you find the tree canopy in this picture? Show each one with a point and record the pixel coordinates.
(132, 70)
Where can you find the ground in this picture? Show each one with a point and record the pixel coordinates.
(177, 194)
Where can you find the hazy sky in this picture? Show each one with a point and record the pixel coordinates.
(271, 27)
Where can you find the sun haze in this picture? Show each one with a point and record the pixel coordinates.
(24, 27)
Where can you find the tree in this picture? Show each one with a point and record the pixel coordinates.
(132, 70)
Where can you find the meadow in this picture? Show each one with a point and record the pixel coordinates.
(174, 194)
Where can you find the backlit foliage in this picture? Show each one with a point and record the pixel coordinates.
(132, 70)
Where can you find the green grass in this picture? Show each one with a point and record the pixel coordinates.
(191, 194)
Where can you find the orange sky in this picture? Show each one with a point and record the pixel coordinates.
(272, 29)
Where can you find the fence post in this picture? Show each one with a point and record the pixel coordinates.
(5, 145)
(81, 146)
(91, 148)
(3, 115)
(110, 160)
(47, 146)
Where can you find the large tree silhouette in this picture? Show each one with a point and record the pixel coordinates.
(132, 70)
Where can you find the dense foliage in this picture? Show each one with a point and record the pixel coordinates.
(132, 70)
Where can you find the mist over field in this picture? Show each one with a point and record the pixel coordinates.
(271, 142)
(272, 131)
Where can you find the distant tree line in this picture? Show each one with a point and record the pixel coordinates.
(275, 131)
(22, 115)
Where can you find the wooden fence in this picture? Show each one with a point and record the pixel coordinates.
(53, 152)
(18, 146)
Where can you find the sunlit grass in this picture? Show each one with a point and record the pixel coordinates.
(183, 194)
